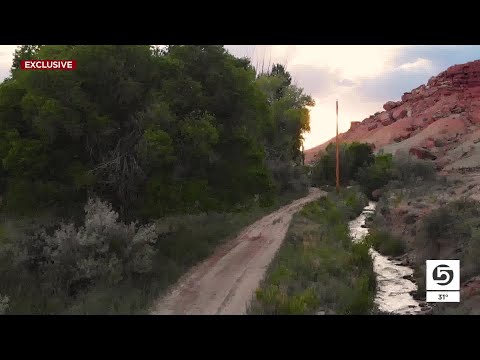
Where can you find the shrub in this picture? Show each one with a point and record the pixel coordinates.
(435, 225)
(354, 200)
(439, 142)
(74, 284)
(3, 304)
(102, 249)
(275, 301)
(353, 156)
(385, 243)
(288, 176)
(359, 165)
(452, 225)
(420, 278)
(62, 261)
(376, 175)
(471, 254)
(318, 267)
(455, 226)
(358, 299)
(407, 168)
(453, 231)
(394, 171)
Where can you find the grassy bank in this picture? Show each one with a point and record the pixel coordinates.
(182, 241)
(452, 231)
(432, 220)
(318, 267)
(385, 243)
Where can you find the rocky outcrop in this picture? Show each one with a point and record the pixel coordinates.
(387, 122)
(422, 153)
(447, 105)
(429, 143)
(457, 109)
(376, 194)
(400, 138)
(466, 170)
(471, 287)
(354, 124)
(391, 105)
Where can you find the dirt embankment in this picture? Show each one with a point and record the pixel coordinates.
(226, 282)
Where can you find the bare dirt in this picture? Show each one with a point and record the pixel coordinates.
(225, 283)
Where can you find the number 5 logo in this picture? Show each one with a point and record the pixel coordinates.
(442, 276)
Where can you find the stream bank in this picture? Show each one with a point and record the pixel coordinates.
(394, 284)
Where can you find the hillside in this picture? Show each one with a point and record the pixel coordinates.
(438, 121)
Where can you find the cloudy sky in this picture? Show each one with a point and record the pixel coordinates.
(361, 77)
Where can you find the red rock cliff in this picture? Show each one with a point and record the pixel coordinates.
(437, 116)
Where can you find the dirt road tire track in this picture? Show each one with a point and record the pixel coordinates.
(226, 282)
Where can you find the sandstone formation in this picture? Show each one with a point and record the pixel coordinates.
(439, 121)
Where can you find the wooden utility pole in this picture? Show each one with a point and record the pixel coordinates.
(338, 158)
(303, 155)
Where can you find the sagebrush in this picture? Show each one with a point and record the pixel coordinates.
(67, 259)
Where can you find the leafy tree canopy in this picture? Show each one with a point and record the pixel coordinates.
(153, 131)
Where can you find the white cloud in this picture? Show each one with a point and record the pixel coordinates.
(346, 82)
(351, 61)
(418, 65)
(316, 81)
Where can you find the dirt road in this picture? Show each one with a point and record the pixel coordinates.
(226, 282)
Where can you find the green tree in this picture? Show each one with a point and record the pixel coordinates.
(23, 52)
(85, 119)
(290, 120)
(152, 131)
(353, 156)
(377, 174)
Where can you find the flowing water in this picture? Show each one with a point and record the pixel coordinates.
(393, 290)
